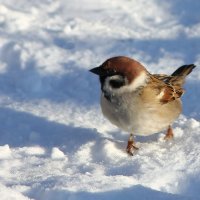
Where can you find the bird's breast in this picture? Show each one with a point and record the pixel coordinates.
(130, 114)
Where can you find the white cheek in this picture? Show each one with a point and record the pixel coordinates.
(136, 83)
(107, 86)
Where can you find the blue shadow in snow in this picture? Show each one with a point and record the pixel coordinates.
(191, 99)
(27, 83)
(186, 11)
(188, 48)
(20, 129)
(79, 85)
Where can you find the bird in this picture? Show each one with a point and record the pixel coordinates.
(137, 101)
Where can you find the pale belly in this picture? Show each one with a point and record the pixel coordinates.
(140, 120)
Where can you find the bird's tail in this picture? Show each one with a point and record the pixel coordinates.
(184, 70)
(178, 77)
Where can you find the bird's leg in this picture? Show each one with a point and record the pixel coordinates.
(131, 145)
(169, 135)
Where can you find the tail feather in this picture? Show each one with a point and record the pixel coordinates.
(178, 77)
(184, 70)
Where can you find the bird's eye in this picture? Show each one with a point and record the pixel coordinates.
(117, 83)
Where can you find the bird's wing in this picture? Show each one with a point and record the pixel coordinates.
(167, 91)
(171, 87)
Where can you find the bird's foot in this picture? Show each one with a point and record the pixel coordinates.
(131, 146)
(169, 135)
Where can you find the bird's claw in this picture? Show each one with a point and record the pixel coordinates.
(169, 134)
(131, 148)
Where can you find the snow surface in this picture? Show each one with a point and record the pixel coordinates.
(54, 141)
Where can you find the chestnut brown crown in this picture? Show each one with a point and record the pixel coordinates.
(120, 65)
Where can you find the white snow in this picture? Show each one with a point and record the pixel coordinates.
(32, 150)
(5, 152)
(54, 141)
(57, 153)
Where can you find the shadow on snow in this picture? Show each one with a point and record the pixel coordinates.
(20, 129)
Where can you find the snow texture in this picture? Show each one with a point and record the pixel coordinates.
(54, 141)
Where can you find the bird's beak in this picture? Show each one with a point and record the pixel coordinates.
(98, 71)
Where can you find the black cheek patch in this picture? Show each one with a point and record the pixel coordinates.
(117, 83)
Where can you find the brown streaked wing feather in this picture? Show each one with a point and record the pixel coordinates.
(172, 85)
(169, 88)
(163, 77)
(172, 80)
(171, 93)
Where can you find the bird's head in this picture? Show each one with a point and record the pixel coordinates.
(120, 74)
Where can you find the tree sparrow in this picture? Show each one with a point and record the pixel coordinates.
(139, 102)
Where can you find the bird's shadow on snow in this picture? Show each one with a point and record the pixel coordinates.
(18, 129)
